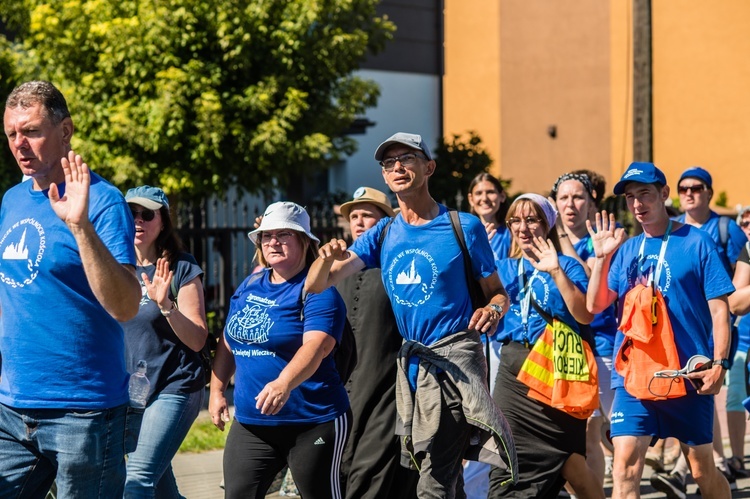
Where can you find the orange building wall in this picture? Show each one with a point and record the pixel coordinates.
(702, 92)
(471, 85)
(515, 67)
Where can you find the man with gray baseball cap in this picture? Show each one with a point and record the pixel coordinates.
(444, 408)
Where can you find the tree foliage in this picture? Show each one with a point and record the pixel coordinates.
(459, 159)
(196, 96)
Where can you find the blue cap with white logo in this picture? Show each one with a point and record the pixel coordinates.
(641, 172)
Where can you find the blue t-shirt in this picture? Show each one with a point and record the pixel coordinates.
(423, 272)
(61, 348)
(264, 331)
(735, 241)
(743, 329)
(500, 244)
(172, 366)
(604, 325)
(692, 274)
(544, 291)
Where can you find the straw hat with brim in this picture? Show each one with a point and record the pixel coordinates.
(284, 215)
(367, 195)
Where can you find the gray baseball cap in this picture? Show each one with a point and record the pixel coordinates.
(408, 139)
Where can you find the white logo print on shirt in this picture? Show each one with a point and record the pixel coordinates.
(412, 276)
(16, 244)
(251, 324)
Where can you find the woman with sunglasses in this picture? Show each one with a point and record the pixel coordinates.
(168, 332)
(540, 282)
(291, 405)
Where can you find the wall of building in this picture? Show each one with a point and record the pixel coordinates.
(701, 97)
(533, 79)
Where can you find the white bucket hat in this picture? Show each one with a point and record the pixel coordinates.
(283, 215)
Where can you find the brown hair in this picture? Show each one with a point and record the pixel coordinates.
(502, 210)
(40, 92)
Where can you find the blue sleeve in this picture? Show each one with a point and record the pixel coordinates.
(482, 257)
(575, 272)
(111, 218)
(325, 312)
(367, 246)
(716, 280)
(737, 240)
(186, 270)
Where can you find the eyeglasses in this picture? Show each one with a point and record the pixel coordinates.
(531, 222)
(744, 223)
(407, 159)
(684, 189)
(281, 237)
(146, 215)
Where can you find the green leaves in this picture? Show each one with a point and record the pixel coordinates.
(197, 96)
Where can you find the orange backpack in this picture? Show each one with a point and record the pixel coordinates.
(648, 346)
(561, 371)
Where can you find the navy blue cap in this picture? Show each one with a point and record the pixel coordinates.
(698, 173)
(641, 172)
(149, 197)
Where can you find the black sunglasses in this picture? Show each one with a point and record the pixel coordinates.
(692, 188)
(145, 214)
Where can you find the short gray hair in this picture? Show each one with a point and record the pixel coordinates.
(40, 92)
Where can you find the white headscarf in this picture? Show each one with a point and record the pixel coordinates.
(550, 213)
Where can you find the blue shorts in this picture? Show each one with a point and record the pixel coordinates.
(690, 419)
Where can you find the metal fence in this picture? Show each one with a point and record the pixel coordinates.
(215, 231)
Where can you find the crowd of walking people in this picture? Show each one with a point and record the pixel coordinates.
(528, 347)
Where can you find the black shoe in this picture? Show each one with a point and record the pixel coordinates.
(730, 478)
(672, 485)
(737, 467)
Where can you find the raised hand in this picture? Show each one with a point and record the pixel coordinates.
(607, 237)
(73, 207)
(491, 230)
(158, 289)
(335, 249)
(546, 254)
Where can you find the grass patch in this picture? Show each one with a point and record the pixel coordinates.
(204, 436)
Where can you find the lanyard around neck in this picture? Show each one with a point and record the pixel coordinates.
(524, 293)
(653, 278)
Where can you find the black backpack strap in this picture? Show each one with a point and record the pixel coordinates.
(458, 231)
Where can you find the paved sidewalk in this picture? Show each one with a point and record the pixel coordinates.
(199, 475)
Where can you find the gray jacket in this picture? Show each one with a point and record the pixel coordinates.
(460, 357)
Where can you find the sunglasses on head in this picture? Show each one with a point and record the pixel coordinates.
(691, 188)
(145, 214)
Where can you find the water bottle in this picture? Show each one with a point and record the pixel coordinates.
(139, 386)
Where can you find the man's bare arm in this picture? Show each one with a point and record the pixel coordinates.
(114, 285)
(333, 265)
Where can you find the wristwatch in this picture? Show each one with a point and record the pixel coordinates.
(497, 308)
(167, 313)
(724, 363)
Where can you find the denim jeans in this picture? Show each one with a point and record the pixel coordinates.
(84, 450)
(166, 421)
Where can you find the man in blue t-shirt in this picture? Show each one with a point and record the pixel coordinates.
(67, 276)
(695, 293)
(442, 394)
